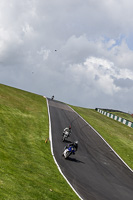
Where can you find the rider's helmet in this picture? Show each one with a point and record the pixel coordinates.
(76, 144)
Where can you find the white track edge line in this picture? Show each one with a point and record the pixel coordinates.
(104, 140)
(51, 145)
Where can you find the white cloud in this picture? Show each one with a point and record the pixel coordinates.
(27, 29)
(100, 73)
(44, 53)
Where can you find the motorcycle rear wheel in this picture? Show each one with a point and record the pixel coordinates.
(63, 139)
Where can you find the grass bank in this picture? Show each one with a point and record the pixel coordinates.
(118, 135)
(27, 169)
(123, 115)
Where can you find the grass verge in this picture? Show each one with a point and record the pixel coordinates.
(118, 135)
(123, 115)
(27, 169)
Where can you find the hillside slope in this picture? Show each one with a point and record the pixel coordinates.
(27, 168)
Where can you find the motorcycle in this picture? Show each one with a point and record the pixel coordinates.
(65, 135)
(68, 151)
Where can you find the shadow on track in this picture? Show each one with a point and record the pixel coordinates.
(67, 141)
(74, 160)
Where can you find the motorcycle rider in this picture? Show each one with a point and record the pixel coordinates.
(73, 144)
(69, 130)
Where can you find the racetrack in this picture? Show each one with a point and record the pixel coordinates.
(95, 172)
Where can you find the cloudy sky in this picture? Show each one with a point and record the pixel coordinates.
(80, 51)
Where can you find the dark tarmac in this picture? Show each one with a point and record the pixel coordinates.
(95, 172)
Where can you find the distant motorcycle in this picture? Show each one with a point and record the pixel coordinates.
(66, 134)
(52, 97)
(68, 151)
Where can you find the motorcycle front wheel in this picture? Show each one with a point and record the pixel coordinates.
(68, 153)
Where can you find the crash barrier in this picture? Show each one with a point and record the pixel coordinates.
(115, 117)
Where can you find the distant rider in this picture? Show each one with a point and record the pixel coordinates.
(52, 97)
(69, 130)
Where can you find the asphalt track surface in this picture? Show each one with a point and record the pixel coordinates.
(95, 171)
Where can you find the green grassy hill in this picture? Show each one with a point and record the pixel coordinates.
(27, 168)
